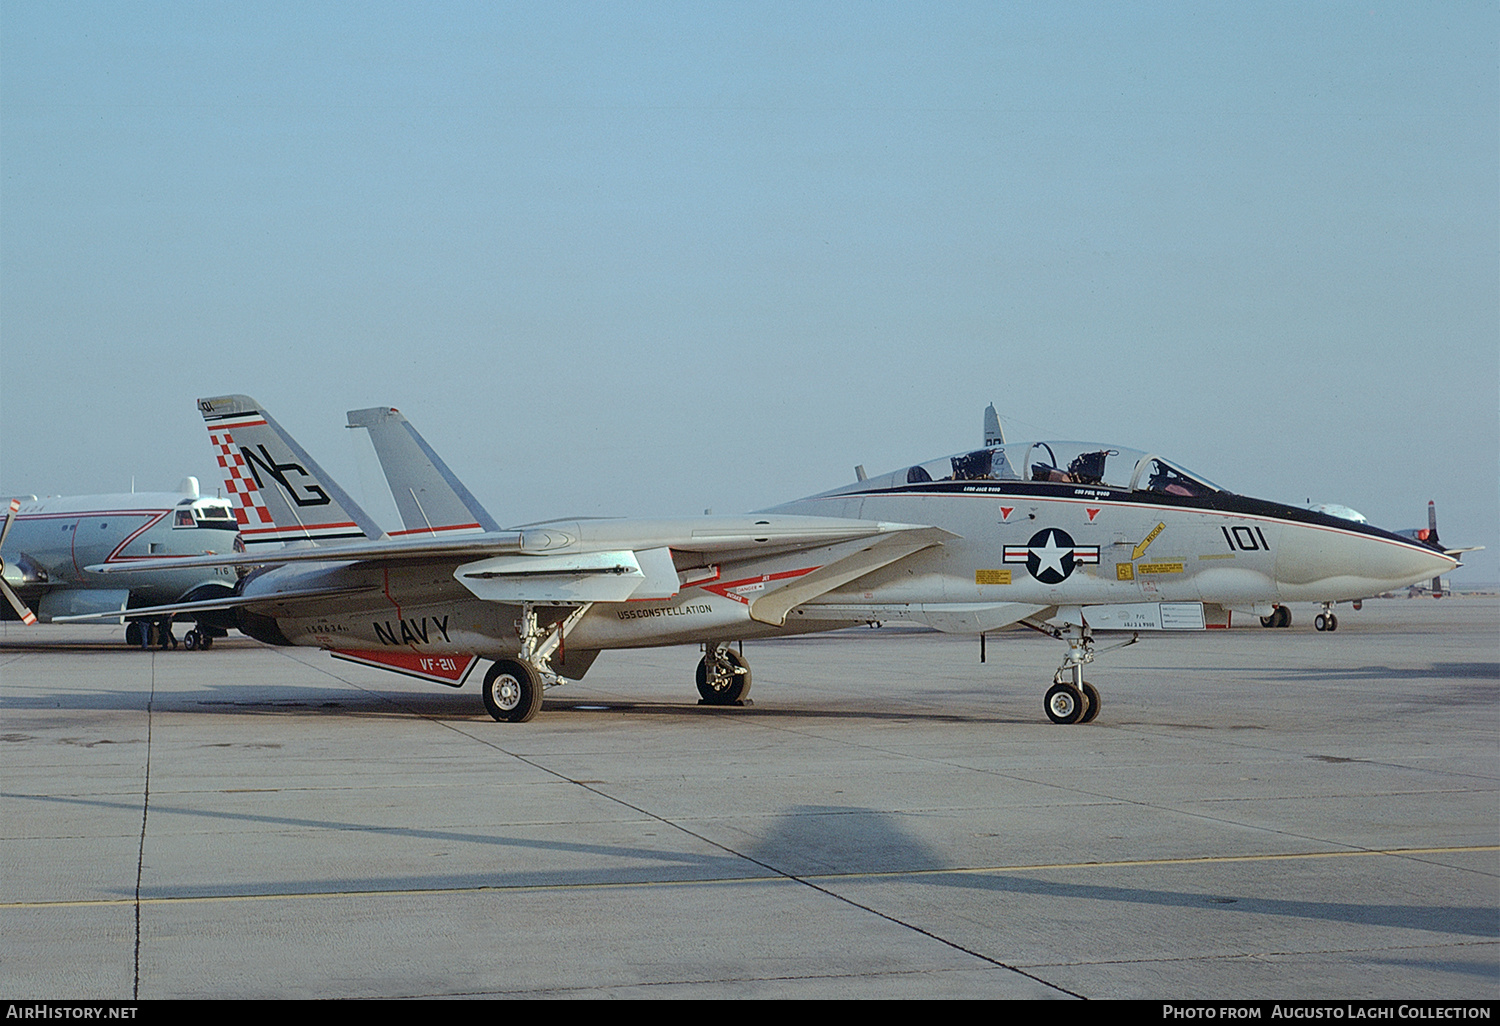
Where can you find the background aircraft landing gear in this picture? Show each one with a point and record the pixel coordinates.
(723, 676)
(196, 639)
(1326, 621)
(1281, 616)
(512, 693)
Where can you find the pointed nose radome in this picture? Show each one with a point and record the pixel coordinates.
(1328, 564)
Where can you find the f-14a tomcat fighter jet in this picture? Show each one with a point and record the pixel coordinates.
(1067, 538)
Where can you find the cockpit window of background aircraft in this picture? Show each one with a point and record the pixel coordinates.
(214, 513)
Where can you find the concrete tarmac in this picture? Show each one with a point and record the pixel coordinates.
(1256, 814)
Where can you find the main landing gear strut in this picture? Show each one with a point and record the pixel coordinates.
(1071, 699)
(513, 688)
(723, 675)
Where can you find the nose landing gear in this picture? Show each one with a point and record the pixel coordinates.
(1072, 703)
(1071, 699)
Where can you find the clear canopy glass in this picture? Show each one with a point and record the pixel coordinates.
(1081, 463)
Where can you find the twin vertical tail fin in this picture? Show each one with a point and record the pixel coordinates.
(279, 492)
(430, 499)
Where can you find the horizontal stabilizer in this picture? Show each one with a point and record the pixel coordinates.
(375, 551)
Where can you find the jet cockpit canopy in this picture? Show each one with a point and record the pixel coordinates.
(1081, 463)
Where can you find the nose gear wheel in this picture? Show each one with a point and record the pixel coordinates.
(1071, 699)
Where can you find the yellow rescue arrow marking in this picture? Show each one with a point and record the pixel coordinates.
(1140, 550)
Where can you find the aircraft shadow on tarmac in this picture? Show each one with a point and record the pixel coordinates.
(1467, 920)
(1465, 967)
(258, 700)
(1477, 670)
(806, 842)
(246, 698)
(117, 646)
(657, 864)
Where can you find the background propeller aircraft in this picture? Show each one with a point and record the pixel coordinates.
(53, 554)
(1428, 536)
(1064, 537)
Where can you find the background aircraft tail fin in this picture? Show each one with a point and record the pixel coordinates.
(430, 499)
(279, 492)
(1432, 539)
(993, 434)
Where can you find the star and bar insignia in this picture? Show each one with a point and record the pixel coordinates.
(1051, 555)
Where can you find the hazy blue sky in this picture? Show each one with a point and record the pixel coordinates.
(652, 258)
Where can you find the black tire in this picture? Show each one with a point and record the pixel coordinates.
(1095, 703)
(724, 692)
(135, 634)
(1269, 621)
(1333, 622)
(190, 641)
(1320, 622)
(205, 641)
(512, 693)
(1064, 704)
(1283, 616)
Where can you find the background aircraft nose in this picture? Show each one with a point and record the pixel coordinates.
(1329, 564)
